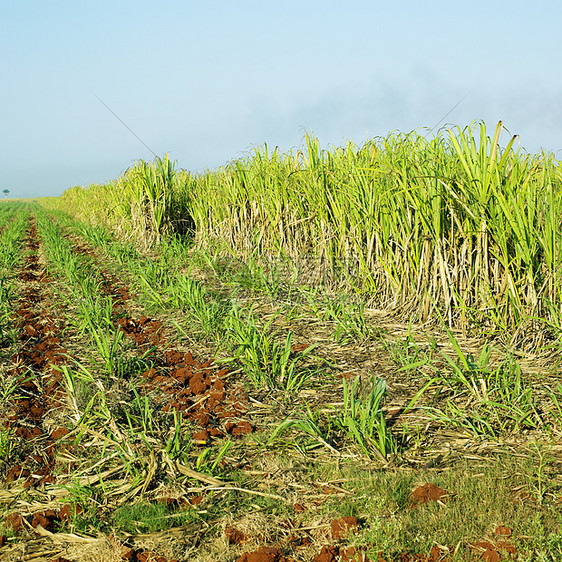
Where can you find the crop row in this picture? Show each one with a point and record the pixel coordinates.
(453, 228)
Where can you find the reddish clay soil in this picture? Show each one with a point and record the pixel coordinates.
(235, 536)
(343, 554)
(343, 527)
(503, 531)
(39, 384)
(493, 551)
(49, 519)
(39, 390)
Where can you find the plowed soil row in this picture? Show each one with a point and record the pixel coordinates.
(181, 382)
(37, 387)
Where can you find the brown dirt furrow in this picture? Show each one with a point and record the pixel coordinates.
(37, 387)
(184, 383)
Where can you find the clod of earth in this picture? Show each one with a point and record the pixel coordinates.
(297, 542)
(507, 547)
(235, 536)
(493, 552)
(48, 519)
(327, 554)
(426, 493)
(491, 555)
(69, 511)
(503, 531)
(196, 500)
(201, 437)
(59, 433)
(343, 527)
(15, 522)
(341, 554)
(242, 428)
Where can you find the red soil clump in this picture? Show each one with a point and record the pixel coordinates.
(15, 522)
(343, 527)
(503, 531)
(48, 519)
(328, 554)
(200, 393)
(235, 536)
(493, 551)
(426, 493)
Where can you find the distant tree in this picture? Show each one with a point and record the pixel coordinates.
(6, 192)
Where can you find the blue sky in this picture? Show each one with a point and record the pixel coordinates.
(209, 80)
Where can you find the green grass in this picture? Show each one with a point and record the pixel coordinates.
(146, 517)
(481, 497)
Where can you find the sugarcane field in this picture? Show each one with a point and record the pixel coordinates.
(322, 354)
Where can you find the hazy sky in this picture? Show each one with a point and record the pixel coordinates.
(208, 80)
